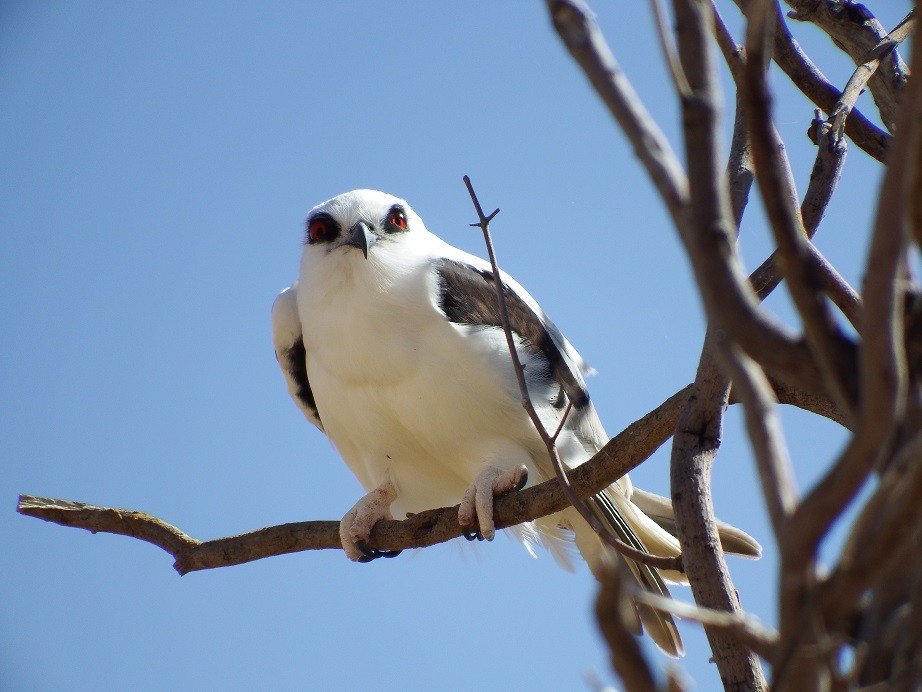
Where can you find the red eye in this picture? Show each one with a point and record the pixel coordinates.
(398, 219)
(318, 230)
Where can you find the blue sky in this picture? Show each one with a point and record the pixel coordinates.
(158, 162)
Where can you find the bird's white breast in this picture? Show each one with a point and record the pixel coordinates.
(403, 393)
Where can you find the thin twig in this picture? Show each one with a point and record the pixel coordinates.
(743, 626)
(858, 32)
(563, 419)
(672, 59)
(659, 562)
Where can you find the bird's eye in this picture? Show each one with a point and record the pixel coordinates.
(397, 219)
(320, 229)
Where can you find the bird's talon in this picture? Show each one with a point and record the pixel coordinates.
(522, 482)
(470, 533)
(369, 554)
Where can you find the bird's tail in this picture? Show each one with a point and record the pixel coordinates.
(630, 522)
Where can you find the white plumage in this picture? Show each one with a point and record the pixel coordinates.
(390, 343)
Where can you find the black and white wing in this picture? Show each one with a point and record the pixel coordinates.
(289, 351)
(468, 297)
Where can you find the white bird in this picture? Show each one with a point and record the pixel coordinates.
(391, 343)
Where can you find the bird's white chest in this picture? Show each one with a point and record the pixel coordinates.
(404, 394)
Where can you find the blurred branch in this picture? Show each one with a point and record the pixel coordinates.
(832, 350)
(580, 33)
(857, 32)
(827, 168)
(698, 431)
(613, 609)
(747, 629)
(785, 357)
(883, 376)
(810, 80)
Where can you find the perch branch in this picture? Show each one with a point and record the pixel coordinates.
(622, 453)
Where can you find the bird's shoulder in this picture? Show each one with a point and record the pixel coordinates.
(467, 296)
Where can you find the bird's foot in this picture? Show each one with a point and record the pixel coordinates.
(355, 527)
(476, 511)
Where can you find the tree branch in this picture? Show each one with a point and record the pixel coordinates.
(622, 453)
(698, 431)
(830, 347)
(856, 31)
(812, 83)
(764, 340)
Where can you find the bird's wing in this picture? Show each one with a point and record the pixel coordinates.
(289, 351)
(467, 296)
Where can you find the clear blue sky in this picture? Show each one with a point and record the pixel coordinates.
(157, 162)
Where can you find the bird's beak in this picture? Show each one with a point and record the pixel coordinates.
(360, 236)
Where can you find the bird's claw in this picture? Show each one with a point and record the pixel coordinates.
(369, 554)
(471, 533)
(475, 513)
(355, 527)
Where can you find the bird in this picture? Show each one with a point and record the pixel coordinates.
(390, 342)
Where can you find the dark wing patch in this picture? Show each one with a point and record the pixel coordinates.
(296, 365)
(468, 296)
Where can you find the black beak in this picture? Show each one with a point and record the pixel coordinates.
(360, 236)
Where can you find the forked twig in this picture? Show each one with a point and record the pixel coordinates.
(657, 561)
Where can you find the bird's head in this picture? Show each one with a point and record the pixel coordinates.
(358, 223)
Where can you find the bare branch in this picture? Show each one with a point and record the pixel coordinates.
(783, 356)
(881, 534)
(807, 77)
(622, 453)
(836, 287)
(613, 613)
(866, 69)
(743, 626)
(583, 38)
(883, 376)
(827, 168)
(832, 349)
(672, 60)
(764, 429)
(854, 29)
(698, 430)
